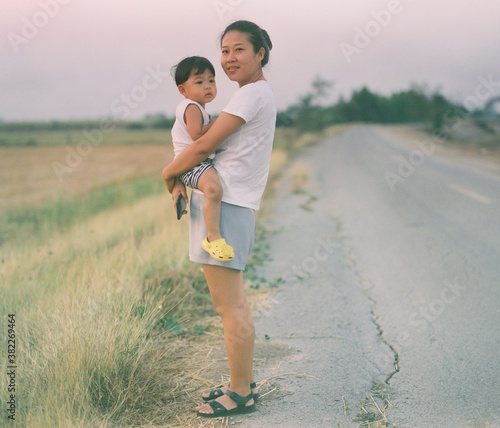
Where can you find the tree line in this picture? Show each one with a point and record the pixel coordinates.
(416, 104)
(311, 113)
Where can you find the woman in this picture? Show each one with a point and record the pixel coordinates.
(242, 138)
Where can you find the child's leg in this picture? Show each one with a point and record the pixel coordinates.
(210, 185)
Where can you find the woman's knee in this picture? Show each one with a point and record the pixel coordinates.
(233, 310)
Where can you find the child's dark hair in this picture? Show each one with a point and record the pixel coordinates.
(192, 64)
(256, 35)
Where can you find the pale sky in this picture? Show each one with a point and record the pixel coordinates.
(85, 59)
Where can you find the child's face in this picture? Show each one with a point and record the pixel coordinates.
(199, 87)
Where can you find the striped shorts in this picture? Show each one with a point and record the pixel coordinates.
(190, 178)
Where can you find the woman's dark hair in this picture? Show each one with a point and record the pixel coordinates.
(256, 35)
(192, 64)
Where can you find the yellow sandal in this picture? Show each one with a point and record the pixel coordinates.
(218, 249)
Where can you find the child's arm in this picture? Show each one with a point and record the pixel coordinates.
(194, 122)
(206, 127)
(200, 149)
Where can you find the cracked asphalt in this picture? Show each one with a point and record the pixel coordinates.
(390, 305)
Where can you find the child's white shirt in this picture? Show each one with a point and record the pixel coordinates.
(180, 135)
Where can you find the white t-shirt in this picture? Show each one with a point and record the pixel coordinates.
(243, 160)
(180, 135)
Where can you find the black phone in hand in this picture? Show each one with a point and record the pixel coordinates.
(180, 205)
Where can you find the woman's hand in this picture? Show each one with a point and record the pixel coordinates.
(179, 189)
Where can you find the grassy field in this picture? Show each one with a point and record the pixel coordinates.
(113, 325)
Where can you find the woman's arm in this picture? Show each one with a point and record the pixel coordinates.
(225, 125)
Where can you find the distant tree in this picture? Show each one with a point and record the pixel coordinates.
(159, 121)
(321, 88)
(308, 114)
(369, 106)
(439, 106)
(413, 105)
(135, 126)
(346, 111)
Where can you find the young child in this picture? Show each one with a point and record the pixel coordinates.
(195, 79)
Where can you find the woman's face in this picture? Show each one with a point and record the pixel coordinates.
(238, 59)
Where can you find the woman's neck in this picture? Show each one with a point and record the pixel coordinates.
(259, 75)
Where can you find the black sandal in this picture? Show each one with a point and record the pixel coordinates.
(217, 392)
(220, 411)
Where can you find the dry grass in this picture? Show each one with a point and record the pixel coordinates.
(293, 143)
(115, 326)
(300, 177)
(27, 174)
(374, 409)
(90, 320)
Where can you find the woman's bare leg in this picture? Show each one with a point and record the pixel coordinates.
(229, 299)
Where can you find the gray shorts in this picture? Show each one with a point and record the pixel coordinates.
(190, 178)
(237, 227)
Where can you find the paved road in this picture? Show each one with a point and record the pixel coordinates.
(392, 262)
